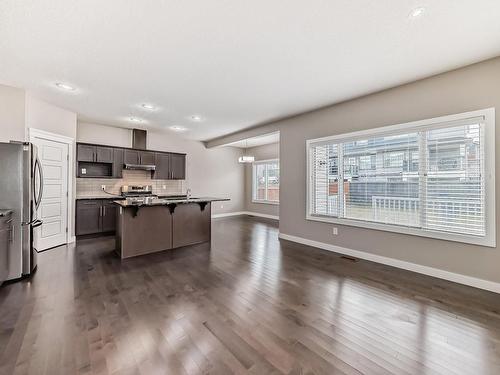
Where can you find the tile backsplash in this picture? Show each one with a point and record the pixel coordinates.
(92, 186)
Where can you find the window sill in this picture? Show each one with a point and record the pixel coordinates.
(274, 203)
(488, 240)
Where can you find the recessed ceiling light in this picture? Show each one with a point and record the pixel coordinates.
(149, 107)
(64, 86)
(135, 119)
(417, 12)
(178, 128)
(196, 118)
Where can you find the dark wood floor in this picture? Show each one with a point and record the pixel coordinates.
(249, 305)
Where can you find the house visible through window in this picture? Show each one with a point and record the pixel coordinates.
(429, 178)
(266, 181)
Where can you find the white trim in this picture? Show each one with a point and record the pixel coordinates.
(425, 270)
(489, 167)
(247, 213)
(266, 161)
(267, 216)
(72, 239)
(36, 133)
(274, 203)
(227, 214)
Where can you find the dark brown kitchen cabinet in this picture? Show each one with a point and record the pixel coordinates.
(97, 154)
(139, 157)
(118, 162)
(85, 153)
(108, 216)
(162, 162)
(88, 216)
(108, 162)
(131, 157)
(170, 166)
(146, 158)
(104, 154)
(95, 216)
(178, 166)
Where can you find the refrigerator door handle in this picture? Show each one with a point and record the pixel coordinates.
(38, 199)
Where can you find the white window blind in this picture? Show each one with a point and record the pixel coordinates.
(429, 178)
(266, 181)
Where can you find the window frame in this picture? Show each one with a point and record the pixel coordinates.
(488, 240)
(254, 185)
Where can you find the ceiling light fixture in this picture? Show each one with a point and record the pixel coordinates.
(196, 118)
(64, 86)
(178, 128)
(244, 159)
(417, 12)
(149, 107)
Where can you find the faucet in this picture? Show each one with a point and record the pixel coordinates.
(188, 194)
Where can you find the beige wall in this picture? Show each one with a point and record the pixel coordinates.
(12, 114)
(264, 152)
(210, 172)
(44, 116)
(470, 88)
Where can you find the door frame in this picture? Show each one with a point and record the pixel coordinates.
(37, 133)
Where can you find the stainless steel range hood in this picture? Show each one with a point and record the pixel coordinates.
(140, 167)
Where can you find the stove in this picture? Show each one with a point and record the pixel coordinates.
(137, 191)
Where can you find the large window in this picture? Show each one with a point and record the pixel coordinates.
(266, 181)
(433, 178)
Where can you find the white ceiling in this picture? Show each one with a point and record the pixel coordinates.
(236, 63)
(260, 140)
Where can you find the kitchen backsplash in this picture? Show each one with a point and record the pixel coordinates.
(92, 186)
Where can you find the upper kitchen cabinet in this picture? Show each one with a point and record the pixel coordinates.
(131, 157)
(118, 162)
(85, 153)
(178, 166)
(162, 162)
(97, 154)
(146, 158)
(103, 154)
(138, 157)
(94, 161)
(170, 166)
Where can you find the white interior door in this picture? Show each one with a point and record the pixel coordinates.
(53, 210)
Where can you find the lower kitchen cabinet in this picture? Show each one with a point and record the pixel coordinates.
(95, 216)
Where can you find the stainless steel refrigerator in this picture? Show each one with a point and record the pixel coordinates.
(21, 189)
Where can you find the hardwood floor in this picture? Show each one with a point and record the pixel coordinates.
(249, 305)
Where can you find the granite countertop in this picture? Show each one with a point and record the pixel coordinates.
(163, 201)
(5, 212)
(97, 196)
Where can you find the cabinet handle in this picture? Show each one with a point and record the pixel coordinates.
(103, 210)
(11, 234)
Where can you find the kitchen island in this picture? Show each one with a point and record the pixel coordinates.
(155, 224)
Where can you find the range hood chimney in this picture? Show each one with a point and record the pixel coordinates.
(139, 139)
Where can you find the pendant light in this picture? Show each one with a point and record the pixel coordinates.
(246, 158)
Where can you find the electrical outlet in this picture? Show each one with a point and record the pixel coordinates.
(221, 206)
(335, 231)
(164, 187)
(103, 187)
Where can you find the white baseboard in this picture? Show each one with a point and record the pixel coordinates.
(237, 213)
(251, 213)
(71, 239)
(430, 271)
(248, 213)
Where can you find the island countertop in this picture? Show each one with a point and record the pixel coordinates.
(144, 202)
